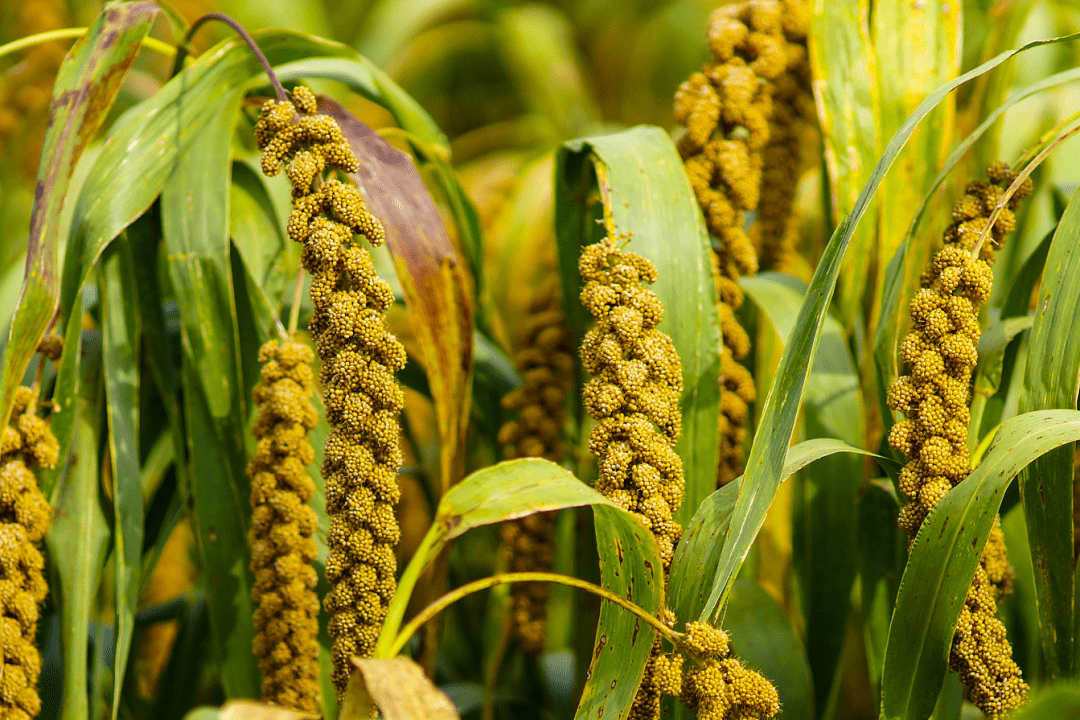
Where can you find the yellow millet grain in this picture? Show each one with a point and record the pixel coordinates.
(723, 688)
(793, 116)
(726, 109)
(281, 538)
(27, 442)
(939, 354)
(538, 411)
(634, 398)
(360, 356)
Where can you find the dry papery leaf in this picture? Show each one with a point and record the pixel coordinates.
(399, 688)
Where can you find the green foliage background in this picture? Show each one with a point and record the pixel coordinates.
(159, 246)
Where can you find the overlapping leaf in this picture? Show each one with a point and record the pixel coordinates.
(85, 88)
(1052, 380)
(943, 560)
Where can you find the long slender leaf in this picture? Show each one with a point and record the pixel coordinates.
(764, 465)
(85, 88)
(882, 555)
(919, 45)
(646, 196)
(629, 560)
(1052, 380)
(845, 69)
(79, 533)
(145, 144)
(697, 555)
(824, 529)
(120, 336)
(194, 218)
(943, 558)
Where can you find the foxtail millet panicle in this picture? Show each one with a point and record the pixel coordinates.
(27, 442)
(360, 356)
(281, 538)
(536, 429)
(939, 354)
(726, 109)
(776, 229)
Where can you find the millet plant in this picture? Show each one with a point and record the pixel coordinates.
(540, 361)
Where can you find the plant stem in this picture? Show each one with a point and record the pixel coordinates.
(1020, 177)
(294, 311)
(484, 583)
(183, 49)
(72, 33)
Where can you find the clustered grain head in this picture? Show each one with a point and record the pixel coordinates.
(726, 108)
(718, 686)
(634, 398)
(939, 354)
(360, 356)
(27, 442)
(791, 123)
(538, 411)
(634, 393)
(281, 538)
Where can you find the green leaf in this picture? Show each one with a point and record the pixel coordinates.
(145, 144)
(846, 74)
(824, 523)
(258, 236)
(65, 399)
(366, 78)
(194, 220)
(1052, 380)
(629, 564)
(762, 638)
(919, 46)
(943, 558)
(763, 467)
(645, 194)
(78, 536)
(120, 336)
(698, 553)
(431, 276)
(86, 85)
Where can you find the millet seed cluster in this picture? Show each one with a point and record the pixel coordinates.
(26, 443)
(939, 354)
(726, 109)
(359, 355)
(286, 617)
(536, 430)
(793, 116)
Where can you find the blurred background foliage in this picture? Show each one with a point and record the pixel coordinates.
(508, 83)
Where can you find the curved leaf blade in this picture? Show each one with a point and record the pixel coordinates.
(943, 558)
(87, 83)
(79, 533)
(146, 143)
(630, 565)
(1052, 380)
(120, 333)
(697, 555)
(195, 226)
(824, 528)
